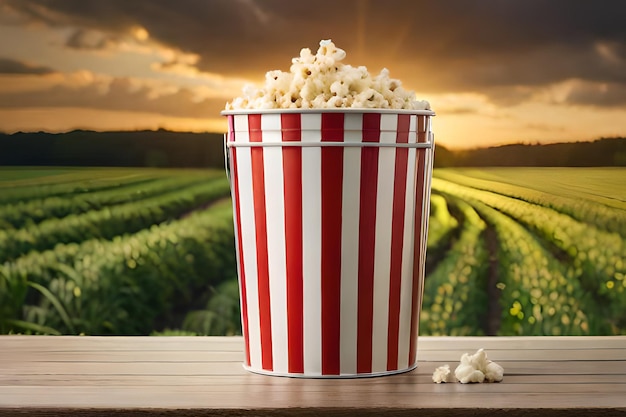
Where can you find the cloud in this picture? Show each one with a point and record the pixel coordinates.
(458, 110)
(466, 104)
(89, 39)
(11, 66)
(87, 90)
(580, 92)
(544, 127)
(597, 94)
(498, 48)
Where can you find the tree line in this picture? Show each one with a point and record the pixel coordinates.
(169, 149)
(159, 148)
(600, 152)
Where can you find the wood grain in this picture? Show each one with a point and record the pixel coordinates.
(181, 376)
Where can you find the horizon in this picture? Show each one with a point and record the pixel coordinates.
(495, 73)
(449, 148)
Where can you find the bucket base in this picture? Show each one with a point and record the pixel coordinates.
(341, 376)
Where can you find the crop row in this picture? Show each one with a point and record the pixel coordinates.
(12, 178)
(109, 221)
(81, 185)
(133, 270)
(455, 299)
(593, 252)
(536, 295)
(441, 223)
(601, 185)
(220, 317)
(132, 284)
(591, 257)
(17, 215)
(608, 218)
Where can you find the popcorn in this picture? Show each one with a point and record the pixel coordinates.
(322, 81)
(477, 368)
(474, 368)
(441, 374)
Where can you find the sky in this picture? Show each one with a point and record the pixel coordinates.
(494, 71)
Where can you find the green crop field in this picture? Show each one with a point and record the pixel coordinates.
(511, 251)
(543, 251)
(115, 251)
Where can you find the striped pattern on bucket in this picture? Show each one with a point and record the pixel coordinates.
(330, 240)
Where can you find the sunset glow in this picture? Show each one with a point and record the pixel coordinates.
(495, 72)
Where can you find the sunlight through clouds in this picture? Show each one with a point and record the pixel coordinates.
(140, 33)
(498, 71)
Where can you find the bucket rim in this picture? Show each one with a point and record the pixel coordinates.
(327, 110)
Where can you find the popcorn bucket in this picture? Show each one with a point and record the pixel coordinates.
(331, 215)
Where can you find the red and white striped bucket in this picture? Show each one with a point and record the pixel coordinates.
(331, 215)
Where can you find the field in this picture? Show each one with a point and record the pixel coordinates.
(115, 251)
(542, 249)
(511, 251)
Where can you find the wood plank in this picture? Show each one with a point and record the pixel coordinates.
(235, 368)
(219, 387)
(235, 343)
(123, 343)
(204, 376)
(453, 356)
(522, 342)
(167, 380)
(259, 396)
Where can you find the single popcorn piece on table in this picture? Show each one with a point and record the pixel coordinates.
(441, 374)
(478, 368)
(323, 81)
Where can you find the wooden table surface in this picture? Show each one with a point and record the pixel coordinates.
(101, 376)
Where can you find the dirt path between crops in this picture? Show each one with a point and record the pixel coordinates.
(494, 311)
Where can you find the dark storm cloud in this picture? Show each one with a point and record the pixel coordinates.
(434, 46)
(11, 66)
(598, 94)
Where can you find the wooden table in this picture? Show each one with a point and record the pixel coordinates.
(203, 376)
